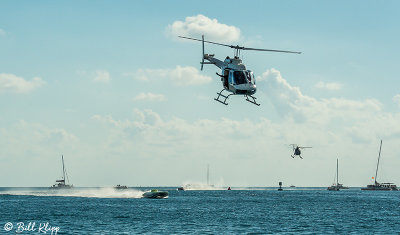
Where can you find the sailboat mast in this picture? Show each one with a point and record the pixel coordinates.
(377, 165)
(208, 173)
(337, 172)
(62, 157)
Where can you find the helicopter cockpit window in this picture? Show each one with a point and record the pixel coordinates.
(250, 77)
(230, 79)
(240, 77)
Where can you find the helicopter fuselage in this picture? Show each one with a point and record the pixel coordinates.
(234, 75)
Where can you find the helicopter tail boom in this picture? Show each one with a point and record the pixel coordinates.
(220, 64)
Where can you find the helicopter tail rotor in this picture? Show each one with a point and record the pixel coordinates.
(202, 55)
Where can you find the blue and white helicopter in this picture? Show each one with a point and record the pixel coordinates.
(236, 79)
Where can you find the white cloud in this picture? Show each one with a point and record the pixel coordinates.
(30, 153)
(328, 86)
(179, 76)
(2, 32)
(27, 137)
(241, 151)
(289, 101)
(187, 76)
(137, 76)
(256, 146)
(102, 76)
(12, 83)
(195, 26)
(396, 99)
(149, 97)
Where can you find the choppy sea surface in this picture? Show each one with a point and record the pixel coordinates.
(245, 210)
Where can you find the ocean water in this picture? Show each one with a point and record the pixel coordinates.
(253, 210)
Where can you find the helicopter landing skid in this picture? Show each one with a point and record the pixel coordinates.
(252, 101)
(298, 155)
(225, 96)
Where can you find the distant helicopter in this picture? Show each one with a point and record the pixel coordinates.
(296, 150)
(235, 78)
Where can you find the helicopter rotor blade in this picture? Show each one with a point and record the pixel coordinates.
(239, 47)
(216, 43)
(256, 49)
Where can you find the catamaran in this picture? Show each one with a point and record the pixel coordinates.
(60, 184)
(380, 186)
(336, 186)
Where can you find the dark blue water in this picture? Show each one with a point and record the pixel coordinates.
(313, 211)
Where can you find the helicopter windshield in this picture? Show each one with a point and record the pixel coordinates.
(243, 77)
(240, 77)
(250, 76)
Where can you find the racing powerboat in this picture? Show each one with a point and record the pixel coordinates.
(155, 194)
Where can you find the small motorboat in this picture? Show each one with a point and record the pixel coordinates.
(120, 187)
(181, 189)
(155, 194)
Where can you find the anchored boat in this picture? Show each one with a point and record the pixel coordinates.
(380, 186)
(60, 184)
(336, 186)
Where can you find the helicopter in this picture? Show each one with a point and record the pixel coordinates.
(296, 150)
(236, 79)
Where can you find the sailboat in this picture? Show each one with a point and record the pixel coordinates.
(380, 186)
(199, 186)
(336, 186)
(60, 184)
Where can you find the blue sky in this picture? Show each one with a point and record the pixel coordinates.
(109, 85)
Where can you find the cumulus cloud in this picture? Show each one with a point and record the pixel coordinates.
(195, 26)
(328, 86)
(187, 76)
(46, 134)
(179, 76)
(151, 135)
(148, 128)
(396, 99)
(13, 83)
(149, 97)
(137, 76)
(27, 137)
(290, 101)
(102, 76)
